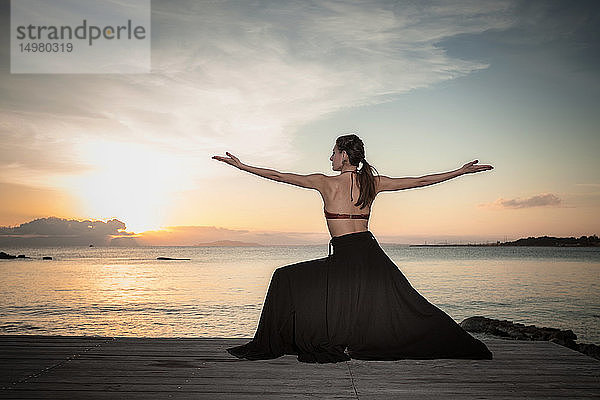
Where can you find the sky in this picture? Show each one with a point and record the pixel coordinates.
(427, 85)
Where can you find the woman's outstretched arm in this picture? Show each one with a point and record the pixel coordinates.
(390, 184)
(312, 181)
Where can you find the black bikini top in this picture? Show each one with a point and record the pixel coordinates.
(329, 215)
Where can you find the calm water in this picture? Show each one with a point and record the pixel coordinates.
(220, 291)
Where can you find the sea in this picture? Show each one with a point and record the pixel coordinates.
(219, 291)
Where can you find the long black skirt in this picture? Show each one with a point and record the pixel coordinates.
(355, 303)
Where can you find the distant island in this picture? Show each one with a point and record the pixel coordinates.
(546, 241)
(230, 243)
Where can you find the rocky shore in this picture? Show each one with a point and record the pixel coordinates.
(6, 256)
(509, 330)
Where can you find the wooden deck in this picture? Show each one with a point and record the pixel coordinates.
(70, 367)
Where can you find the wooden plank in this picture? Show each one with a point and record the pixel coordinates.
(315, 387)
(460, 395)
(180, 395)
(102, 375)
(235, 370)
(22, 339)
(266, 381)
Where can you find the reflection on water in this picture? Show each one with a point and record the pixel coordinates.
(220, 291)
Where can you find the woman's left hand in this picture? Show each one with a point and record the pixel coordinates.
(231, 160)
(470, 167)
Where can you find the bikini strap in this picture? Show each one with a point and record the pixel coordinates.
(351, 183)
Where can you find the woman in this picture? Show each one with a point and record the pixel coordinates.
(355, 303)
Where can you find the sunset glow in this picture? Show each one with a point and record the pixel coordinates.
(427, 87)
(131, 182)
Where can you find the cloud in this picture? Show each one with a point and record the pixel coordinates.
(233, 74)
(541, 200)
(592, 184)
(33, 153)
(54, 231)
(192, 235)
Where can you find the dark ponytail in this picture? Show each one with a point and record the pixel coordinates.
(355, 149)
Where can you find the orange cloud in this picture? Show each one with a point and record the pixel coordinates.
(53, 231)
(540, 200)
(193, 235)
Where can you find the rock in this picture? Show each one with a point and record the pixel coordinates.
(508, 329)
(515, 330)
(46, 258)
(567, 343)
(590, 349)
(6, 256)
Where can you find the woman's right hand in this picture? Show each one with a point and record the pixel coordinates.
(470, 167)
(231, 160)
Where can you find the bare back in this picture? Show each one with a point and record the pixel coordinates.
(336, 199)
